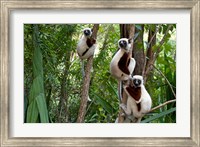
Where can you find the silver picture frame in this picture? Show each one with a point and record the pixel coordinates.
(193, 5)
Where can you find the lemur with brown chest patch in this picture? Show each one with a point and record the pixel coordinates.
(122, 64)
(139, 101)
(86, 45)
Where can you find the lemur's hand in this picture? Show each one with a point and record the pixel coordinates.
(123, 106)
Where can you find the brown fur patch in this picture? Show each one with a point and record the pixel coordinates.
(90, 42)
(123, 63)
(139, 107)
(134, 92)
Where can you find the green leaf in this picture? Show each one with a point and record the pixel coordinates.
(32, 113)
(41, 104)
(152, 27)
(136, 35)
(159, 115)
(139, 27)
(104, 104)
(113, 89)
(155, 47)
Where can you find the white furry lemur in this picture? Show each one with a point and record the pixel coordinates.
(139, 101)
(122, 64)
(86, 47)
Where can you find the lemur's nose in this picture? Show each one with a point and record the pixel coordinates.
(121, 43)
(136, 82)
(87, 32)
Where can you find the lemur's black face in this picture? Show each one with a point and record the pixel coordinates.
(137, 82)
(123, 44)
(87, 32)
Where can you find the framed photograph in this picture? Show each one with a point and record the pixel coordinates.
(59, 86)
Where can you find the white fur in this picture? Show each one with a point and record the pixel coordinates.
(82, 46)
(145, 102)
(129, 45)
(114, 69)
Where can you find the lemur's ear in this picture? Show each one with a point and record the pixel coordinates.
(130, 40)
(92, 29)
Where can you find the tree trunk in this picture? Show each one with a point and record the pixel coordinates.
(126, 31)
(62, 107)
(150, 52)
(138, 51)
(86, 82)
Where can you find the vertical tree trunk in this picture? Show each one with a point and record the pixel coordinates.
(86, 82)
(126, 31)
(138, 51)
(62, 106)
(150, 53)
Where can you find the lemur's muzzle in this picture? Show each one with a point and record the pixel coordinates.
(87, 32)
(122, 44)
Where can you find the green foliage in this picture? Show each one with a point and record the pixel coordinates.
(154, 117)
(157, 86)
(53, 78)
(37, 109)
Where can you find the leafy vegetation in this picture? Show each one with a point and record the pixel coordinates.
(53, 79)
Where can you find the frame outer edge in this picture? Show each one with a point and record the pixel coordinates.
(99, 4)
(4, 89)
(4, 74)
(195, 74)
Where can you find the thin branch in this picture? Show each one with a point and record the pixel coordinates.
(157, 29)
(145, 62)
(165, 79)
(162, 105)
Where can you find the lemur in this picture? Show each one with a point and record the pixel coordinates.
(139, 101)
(122, 64)
(86, 45)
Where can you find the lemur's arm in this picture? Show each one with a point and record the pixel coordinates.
(123, 63)
(90, 42)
